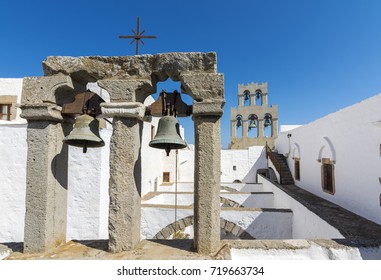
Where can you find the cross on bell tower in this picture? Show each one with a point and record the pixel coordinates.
(138, 36)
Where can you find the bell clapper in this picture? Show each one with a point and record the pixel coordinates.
(85, 148)
(167, 150)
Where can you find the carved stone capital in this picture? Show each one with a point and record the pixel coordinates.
(135, 110)
(127, 90)
(208, 108)
(41, 112)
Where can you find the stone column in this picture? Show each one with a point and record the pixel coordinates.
(233, 129)
(253, 99)
(245, 128)
(46, 179)
(125, 174)
(265, 100)
(207, 176)
(261, 128)
(274, 128)
(240, 100)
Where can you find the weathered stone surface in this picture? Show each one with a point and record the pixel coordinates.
(41, 111)
(162, 66)
(207, 183)
(203, 86)
(224, 253)
(208, 108)
(125, 184)
(55, 89)
(46, 187)
(134, 110)
(128, 90)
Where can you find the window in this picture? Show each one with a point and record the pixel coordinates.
(328, 176)
(297, 169)
(5, 112)
(166, 177)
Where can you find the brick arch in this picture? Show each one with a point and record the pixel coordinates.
(181, 224)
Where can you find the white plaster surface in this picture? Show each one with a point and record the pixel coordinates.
(257, 200)
(13, 148)
(169, 199)
(284, 128)
(305, 224)
(264, 200)
(262, 225)
(246, 162)
(88, 191)
(244, 187)
(313, 252)
(350, 137)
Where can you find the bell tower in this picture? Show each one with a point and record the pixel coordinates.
(254, 122)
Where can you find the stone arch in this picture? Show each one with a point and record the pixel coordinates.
(239, 124)
(330, 150)
(253, 118)
(258, 97)
(246, 98)
(181, 224)
(296, 151)
(268, 123)
(226, 202)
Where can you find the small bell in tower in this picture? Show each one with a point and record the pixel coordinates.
(267, 121)
(252, 123)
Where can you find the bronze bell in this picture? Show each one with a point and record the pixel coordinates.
(252, 124)
(85, 133)
(168, 135)
(267, 122)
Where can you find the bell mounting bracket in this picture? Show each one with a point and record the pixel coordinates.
(169, 104)
(85, 103)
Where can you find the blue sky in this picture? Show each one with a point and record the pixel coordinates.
(317, 56)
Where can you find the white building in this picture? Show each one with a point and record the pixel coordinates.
(336, 158)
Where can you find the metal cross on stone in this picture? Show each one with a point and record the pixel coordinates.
(138, 36)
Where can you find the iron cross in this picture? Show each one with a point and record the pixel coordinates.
(138, 36)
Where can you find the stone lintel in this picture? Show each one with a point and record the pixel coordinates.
(92, 68)
(41, 112)
(134, 110)
(208, 108)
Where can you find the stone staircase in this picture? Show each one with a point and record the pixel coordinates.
(280, 163)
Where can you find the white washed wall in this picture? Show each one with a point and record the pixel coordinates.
(13, 148)
(246, 163)
(305, 224)
(351, 137)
